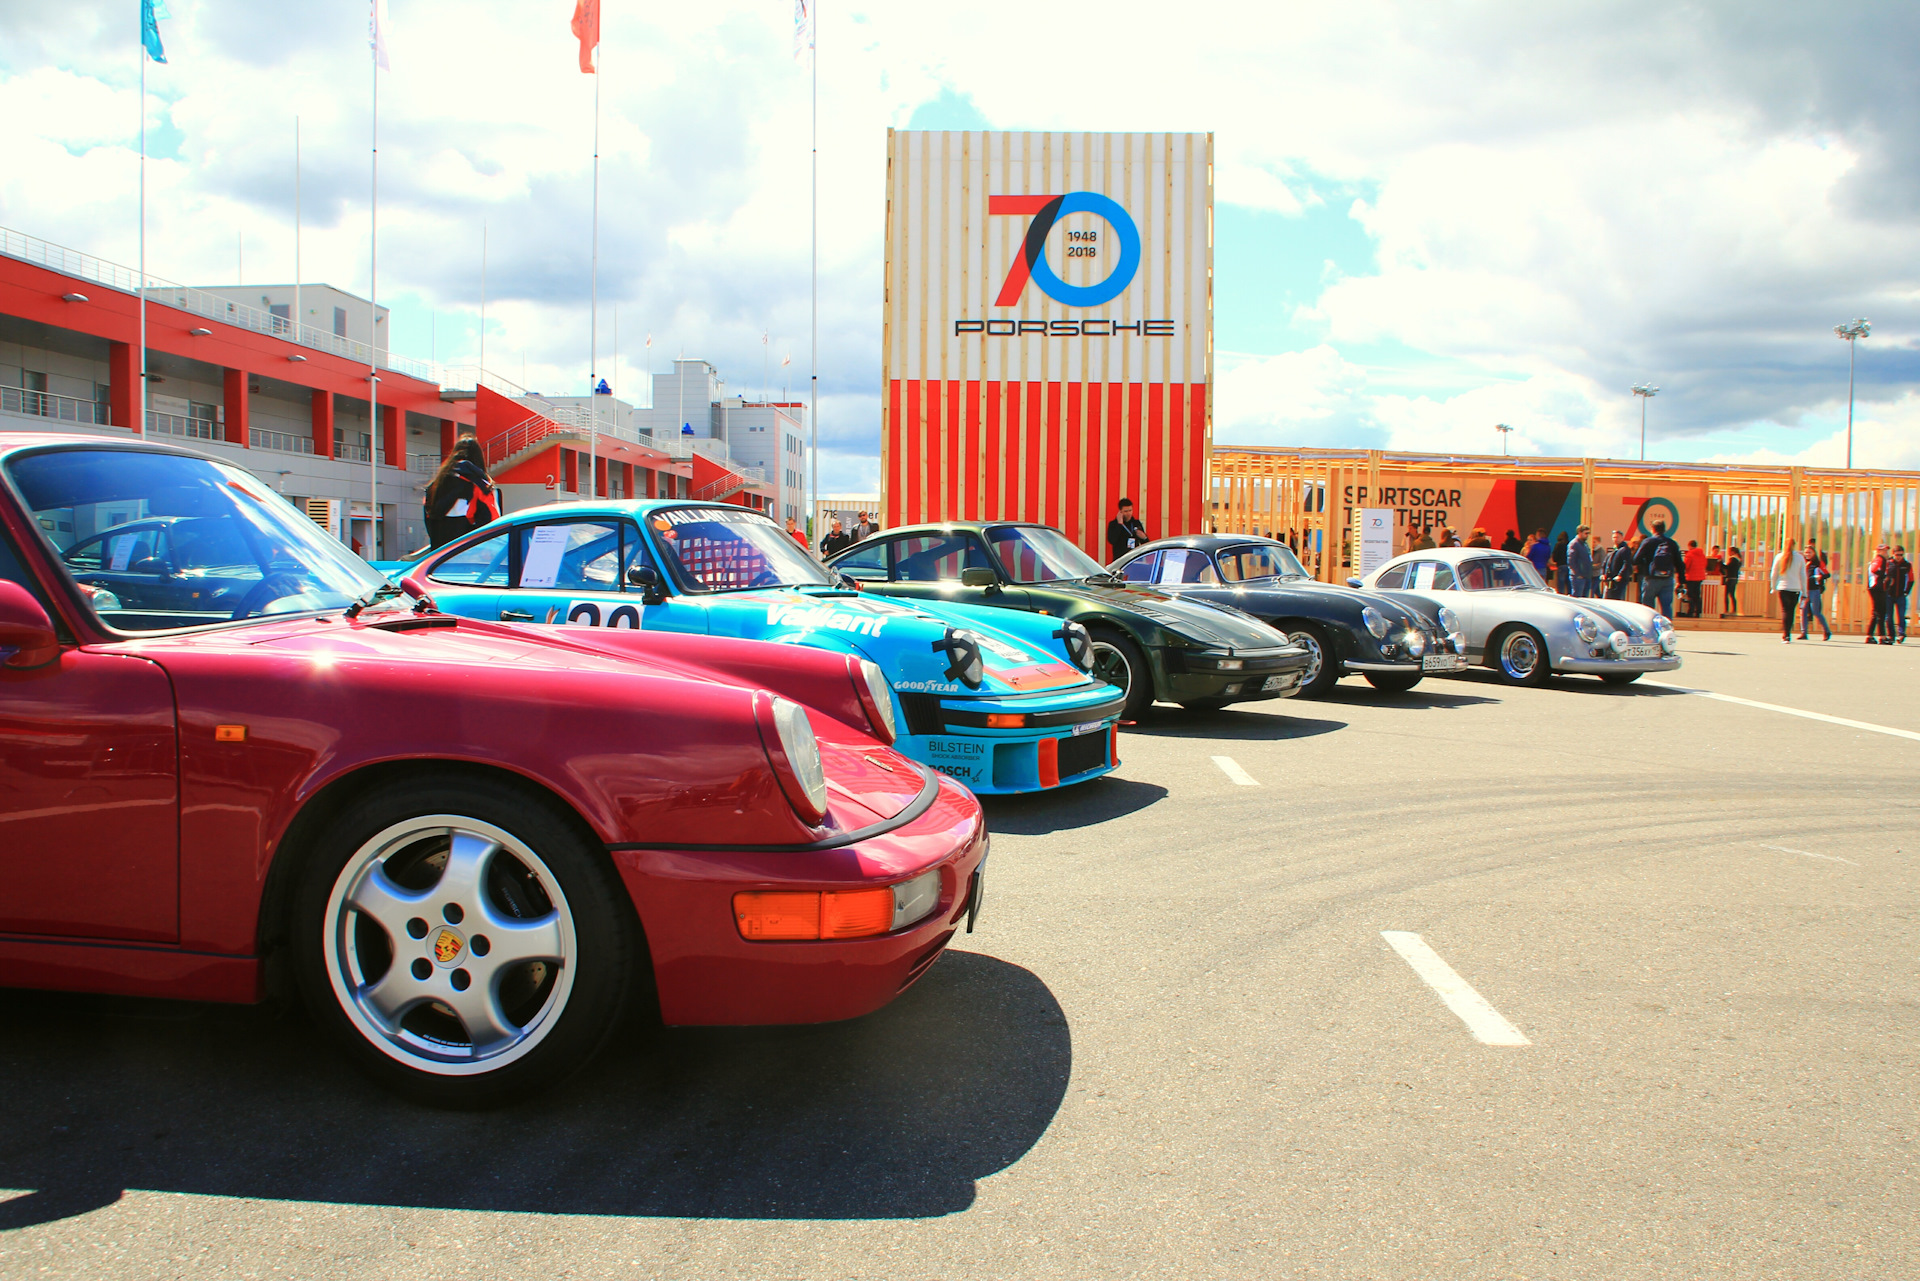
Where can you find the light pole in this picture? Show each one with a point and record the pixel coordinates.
(1856, 329)
(1646, 392)
(1505, 431)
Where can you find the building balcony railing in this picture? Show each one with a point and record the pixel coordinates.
(46, 404)
(351, 453)
(423, 464)
(280, 442)
(70, 262)
(160, 424)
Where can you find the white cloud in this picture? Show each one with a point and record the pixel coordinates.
(1564, 199)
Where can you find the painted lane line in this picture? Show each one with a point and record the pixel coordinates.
(1231, 768)
(1481, 1019)
(1831, 858)
(1791, 711)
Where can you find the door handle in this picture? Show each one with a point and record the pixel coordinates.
(515, 616)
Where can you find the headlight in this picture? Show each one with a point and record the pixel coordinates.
(964, 663)
(1376, 622)
(1416, 643)
(1661, 623)
(1078, 643)
(1619, 642)
(879, 700)
(1586, 626)
(804, 773)
(100, 597)
(1449, 621)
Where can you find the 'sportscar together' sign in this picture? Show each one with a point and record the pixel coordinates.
(1523, 507)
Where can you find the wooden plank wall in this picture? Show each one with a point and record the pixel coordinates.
(1281, 491)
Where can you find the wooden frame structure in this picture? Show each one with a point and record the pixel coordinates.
(1277, 491)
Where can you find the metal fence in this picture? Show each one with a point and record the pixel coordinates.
(46, 404)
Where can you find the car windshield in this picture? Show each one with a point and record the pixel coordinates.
(161, 541)
(726, 549)
(1501, 574)
(1258, 560)
(1036, 554)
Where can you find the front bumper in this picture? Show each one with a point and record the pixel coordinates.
(1607, 666)
(1273, 673)
(708, 975)
(1057, 746)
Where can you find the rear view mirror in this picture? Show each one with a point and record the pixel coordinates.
(149, 565)
(1353, 582)
(26, 633)
(643, 576)
(978, 578)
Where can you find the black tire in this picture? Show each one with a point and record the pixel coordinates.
(1393, 682)
(1519, 654)
(1324, 672)
(1120, 662)
(534, 924)
(1620, 678)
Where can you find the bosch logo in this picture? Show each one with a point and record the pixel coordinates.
(1030, 263)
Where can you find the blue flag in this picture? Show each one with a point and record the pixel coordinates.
(151, 11)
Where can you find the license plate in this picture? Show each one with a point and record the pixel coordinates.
(1642, 651)
(1284, 680)
(1443, 662)
(1089, 727)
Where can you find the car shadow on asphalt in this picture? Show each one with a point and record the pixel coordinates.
(1282, 721)
(1572, 682)
(1427, 694)
(895, 1115)
(1081, 805)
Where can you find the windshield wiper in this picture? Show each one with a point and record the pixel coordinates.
(385, 591)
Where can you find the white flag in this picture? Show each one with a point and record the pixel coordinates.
(377, 32)
(802, 29)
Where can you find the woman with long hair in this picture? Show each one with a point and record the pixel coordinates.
(461, 495)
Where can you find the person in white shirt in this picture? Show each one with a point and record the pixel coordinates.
(1790, 580)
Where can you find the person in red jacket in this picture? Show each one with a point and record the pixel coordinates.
(1696, 577)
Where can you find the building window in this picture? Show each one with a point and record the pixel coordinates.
(282, 314)
(339, 322)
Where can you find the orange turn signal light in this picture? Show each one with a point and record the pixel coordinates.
(772, 915)
(230, 733)
(1006, 720)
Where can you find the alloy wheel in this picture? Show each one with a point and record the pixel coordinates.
(1519, 655)
(450, 944)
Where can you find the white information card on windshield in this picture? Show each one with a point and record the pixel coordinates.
(541, 564)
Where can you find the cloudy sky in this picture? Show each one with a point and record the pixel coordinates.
(1430, 218)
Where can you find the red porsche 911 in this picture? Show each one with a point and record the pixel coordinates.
(230, 751)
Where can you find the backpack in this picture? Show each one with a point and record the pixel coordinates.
(1662, 563)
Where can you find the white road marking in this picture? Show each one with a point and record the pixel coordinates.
(1791, 711)
(1831, 858)
(1481, 1019)
(1231, 768)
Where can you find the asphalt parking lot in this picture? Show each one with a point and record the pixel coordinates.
(1679, 931)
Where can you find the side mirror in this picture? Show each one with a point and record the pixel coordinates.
(978, 577)
(1353, 582)
(647, 579)
(422, 602)
(149, 565)
(26, 633)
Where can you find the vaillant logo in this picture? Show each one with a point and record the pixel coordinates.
(1120, 244)
(1031, 261)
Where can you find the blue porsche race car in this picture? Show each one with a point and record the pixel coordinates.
(1002, 701)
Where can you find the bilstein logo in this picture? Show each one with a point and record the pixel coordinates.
(1030, 264)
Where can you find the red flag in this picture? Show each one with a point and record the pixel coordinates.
(586, 25)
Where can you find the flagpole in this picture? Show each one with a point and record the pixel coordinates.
(140, 427)
(593, 322)
(373, 329)
(297, 313)
(483, 308)
(813, 402)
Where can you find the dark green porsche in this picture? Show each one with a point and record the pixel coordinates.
(1150, 644)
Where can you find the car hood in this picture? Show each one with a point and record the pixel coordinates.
(913, 644)
(1624, 615)
(1203, 622)
(1336, 599)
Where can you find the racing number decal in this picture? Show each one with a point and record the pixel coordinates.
(586, 613)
